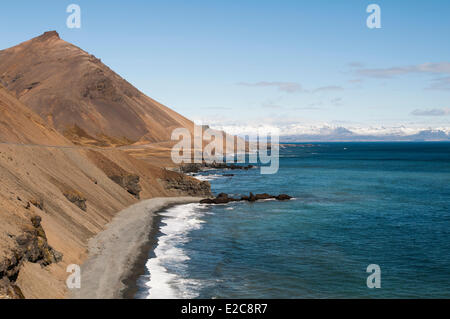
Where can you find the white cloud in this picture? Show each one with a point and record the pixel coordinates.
(440, 84)
(288, 87)
(292, 87)
(431, 112)
(328, 88)
(356, 65)
(337, 101)
(429, 68)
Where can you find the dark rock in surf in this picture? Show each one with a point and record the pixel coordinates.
(283, 197)
(223, 198)
(263, 196)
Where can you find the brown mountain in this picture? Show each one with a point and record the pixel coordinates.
(55, 196)
(75, 93)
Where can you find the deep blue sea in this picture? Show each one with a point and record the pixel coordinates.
(355, 204)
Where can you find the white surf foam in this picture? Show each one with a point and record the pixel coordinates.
(177, 222)
(207, 177)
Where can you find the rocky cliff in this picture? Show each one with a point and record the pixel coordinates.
(55, 196)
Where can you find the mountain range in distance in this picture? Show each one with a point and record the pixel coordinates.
(341, 134)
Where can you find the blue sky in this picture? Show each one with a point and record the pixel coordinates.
(296, 64)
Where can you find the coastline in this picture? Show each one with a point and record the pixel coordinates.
(114, 253)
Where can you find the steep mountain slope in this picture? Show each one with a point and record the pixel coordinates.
(54, 196)
(75, 93)
(18, 124)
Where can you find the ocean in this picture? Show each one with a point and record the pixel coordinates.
(355, 204)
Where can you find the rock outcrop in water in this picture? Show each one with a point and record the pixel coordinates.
(223, 198)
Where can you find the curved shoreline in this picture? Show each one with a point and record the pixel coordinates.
(115, 252)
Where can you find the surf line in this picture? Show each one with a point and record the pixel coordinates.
(192, 309)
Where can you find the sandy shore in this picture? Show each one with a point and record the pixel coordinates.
(114, 252)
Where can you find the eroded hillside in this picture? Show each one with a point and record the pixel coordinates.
(55, 195)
